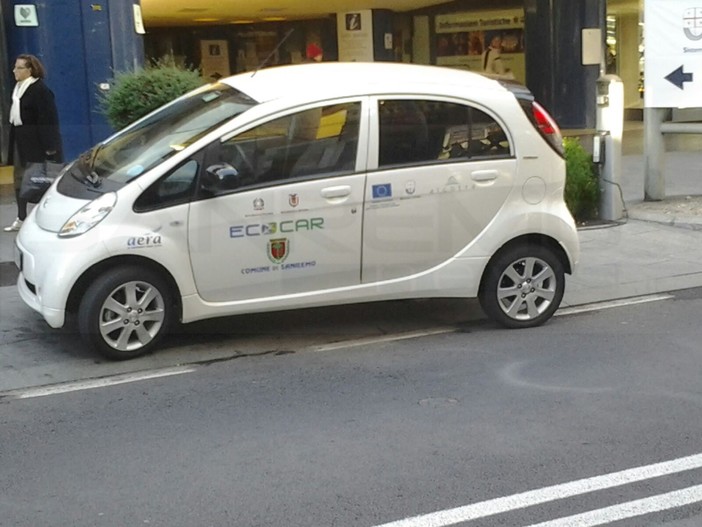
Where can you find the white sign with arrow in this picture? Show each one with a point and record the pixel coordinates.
(673, 53)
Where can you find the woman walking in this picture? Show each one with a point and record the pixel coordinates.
(34, 126)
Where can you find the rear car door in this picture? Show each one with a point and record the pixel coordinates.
(443, 168)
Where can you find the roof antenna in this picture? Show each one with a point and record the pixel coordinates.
(265, 61)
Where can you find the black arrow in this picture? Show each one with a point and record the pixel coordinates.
(677, 77)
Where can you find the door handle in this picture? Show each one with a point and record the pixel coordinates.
(484, 175)
(336, 192)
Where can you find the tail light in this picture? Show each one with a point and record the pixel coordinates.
(547, 127)
(538, 116)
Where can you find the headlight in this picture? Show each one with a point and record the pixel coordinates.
(89, 216)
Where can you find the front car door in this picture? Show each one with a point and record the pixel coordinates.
(282, 213)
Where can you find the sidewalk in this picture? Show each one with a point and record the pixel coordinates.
(656, 247)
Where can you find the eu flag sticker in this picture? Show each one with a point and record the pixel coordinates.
(383, 191)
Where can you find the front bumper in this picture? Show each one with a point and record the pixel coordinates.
(27, 291)
(49, 268)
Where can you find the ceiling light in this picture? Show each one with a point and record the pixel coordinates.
(273, 18)
(205, 19)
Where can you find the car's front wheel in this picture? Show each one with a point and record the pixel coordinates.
(125, 312)
(523, 286)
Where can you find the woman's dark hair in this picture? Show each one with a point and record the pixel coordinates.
(34, 64)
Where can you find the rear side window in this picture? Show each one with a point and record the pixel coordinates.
(421, 131)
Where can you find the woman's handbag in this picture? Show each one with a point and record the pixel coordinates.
(37, 179)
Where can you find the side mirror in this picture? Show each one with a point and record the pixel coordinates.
(219, 177)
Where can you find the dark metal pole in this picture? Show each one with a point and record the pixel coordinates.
(6, 85)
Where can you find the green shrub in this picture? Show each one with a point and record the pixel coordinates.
(134, 94)
(582, 193)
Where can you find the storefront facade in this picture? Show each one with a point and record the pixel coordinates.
(541, 46)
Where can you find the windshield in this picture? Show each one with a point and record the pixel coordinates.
(137, 149)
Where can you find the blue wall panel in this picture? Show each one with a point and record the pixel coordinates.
(97, 46)
(81, 43)
(127, 53)
(59, 46)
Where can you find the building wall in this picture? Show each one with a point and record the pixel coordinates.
(102, 40)
(628, 58)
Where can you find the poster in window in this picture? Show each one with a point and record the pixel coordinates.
(355, 36)
(490, 41)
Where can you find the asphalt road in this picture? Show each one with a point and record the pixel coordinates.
(377, 431)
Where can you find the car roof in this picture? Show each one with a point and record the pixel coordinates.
(326, 79)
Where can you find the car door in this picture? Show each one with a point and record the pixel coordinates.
(443, 170)
(281, 207)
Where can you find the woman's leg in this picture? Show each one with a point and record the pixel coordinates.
(21, 206)
(19, 169)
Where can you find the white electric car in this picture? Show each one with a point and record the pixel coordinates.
(301, 186)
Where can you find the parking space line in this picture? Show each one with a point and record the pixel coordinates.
(597, 306)
(548, 494)
(382, 339)
(89, 384)
(630, 509)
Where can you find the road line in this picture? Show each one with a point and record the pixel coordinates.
(90, 384)
(386, 338)
(630, 509)
(612, 303)
(548, 494)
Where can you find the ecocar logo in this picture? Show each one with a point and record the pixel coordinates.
(268, 229)
(692, 23)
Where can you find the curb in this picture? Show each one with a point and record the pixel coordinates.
(683, 212)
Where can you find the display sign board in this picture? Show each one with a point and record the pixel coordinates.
(215, 59)
(355, 36)
(26, 15)
(673, 53)
(463, 40)
(138, 20)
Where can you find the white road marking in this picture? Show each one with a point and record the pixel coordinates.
(597, 306)
(385, 338)
(90, 384)
(548, 494)
(73, 386)
(630, 509)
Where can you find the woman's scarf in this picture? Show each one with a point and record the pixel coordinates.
(20, 88)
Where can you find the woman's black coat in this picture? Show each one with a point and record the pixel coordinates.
(39, 132)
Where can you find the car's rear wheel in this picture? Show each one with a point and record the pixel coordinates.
(523, 286)
(125, 312)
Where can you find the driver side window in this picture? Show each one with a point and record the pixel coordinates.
(174, 188)
(311, 143)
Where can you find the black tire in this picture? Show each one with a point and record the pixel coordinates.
(125, 312)
(523, 286)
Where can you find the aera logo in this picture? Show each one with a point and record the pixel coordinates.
(144, 241)
(692, 23)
